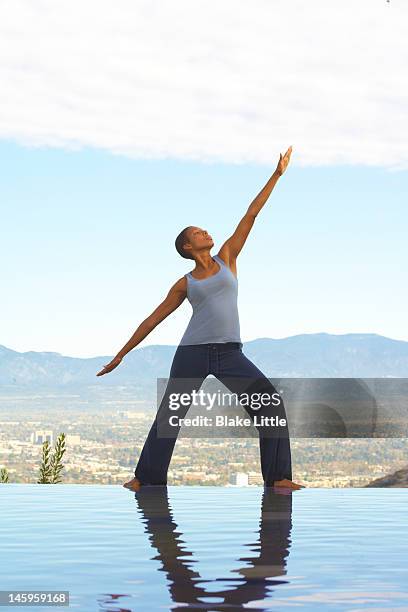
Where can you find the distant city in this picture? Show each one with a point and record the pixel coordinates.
(103, 448)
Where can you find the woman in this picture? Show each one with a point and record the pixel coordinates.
(211, 344)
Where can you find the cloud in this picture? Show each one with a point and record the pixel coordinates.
(210, 81)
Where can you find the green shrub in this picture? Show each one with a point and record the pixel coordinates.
(51, 466)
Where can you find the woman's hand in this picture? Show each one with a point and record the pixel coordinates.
(283, 161)
(110, 366)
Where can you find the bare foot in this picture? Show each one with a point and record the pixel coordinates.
(133, 485)
(287, 484)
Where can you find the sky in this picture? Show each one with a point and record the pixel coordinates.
(120, 124)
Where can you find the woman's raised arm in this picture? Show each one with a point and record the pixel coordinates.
(233, 245)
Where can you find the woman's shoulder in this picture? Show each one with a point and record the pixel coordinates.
(231, 265)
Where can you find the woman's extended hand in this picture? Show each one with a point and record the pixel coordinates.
(283, 161)
(110, 366)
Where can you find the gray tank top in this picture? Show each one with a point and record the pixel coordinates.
(215, 309)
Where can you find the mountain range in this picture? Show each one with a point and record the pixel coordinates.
(303, 355)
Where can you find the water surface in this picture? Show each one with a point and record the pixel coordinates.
(206, 548)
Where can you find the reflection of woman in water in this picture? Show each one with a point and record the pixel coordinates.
(211, 344)
(262, 571)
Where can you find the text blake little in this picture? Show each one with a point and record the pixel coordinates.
(227, 421)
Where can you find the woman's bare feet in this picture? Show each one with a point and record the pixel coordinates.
(133, 485)
(287, 484)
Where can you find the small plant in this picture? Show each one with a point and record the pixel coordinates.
(51, 466)
(4, 475)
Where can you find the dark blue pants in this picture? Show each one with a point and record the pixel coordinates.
(230, 366)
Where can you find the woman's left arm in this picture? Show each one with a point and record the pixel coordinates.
(232, 247)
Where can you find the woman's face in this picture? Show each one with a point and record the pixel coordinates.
(200, 238)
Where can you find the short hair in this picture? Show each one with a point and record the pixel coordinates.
(181, 241)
